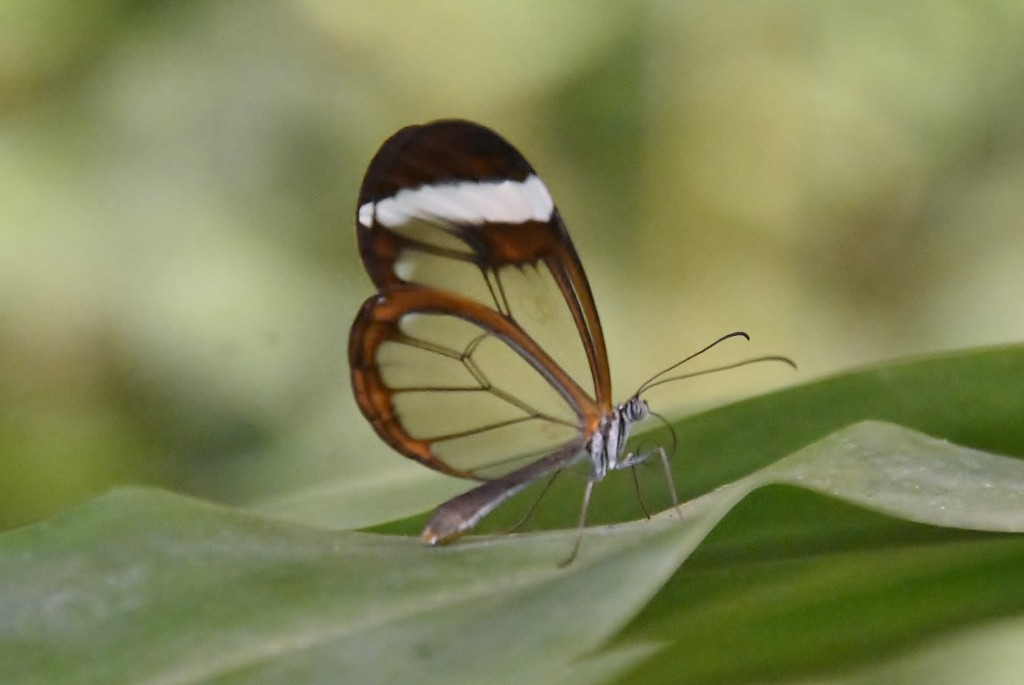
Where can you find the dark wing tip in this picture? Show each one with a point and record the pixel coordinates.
(443, 151)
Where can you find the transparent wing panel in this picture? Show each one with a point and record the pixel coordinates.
(432, 235)
(437, 257)
(528, 294)
(524, 443)
(483, 408)
(535, 302)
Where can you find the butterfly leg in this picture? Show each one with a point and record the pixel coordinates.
(580, 526)
(533, 507)
(636, 458)
(639, 494)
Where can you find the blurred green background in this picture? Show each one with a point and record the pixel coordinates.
(177, 189)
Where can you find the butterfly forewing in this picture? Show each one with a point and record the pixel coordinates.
(482, 351)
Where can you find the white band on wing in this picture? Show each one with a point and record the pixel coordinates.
(467, 202)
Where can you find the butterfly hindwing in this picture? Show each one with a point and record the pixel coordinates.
(455, 385)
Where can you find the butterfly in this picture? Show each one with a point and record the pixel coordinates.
(481, 354)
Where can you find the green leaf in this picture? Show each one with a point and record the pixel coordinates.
(797, 572)
(360, 503)
(143, 586)
(910, 476)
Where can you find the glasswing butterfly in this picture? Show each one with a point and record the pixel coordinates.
(481, 355)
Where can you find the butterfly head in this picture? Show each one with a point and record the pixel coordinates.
(635, 409)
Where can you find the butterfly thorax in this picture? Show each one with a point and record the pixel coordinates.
(608, 443)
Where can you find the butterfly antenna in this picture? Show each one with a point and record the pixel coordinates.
(756, 360)
(650, 382)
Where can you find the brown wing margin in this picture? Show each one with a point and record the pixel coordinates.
(378, 322)
(564, 263)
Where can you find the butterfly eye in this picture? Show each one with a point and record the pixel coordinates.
(636, 409)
